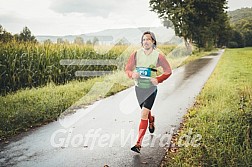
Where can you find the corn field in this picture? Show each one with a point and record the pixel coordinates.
(26, 65)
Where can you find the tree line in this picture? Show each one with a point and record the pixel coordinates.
(241, 21)
(78, 40)
(202, 22)
(24, 36)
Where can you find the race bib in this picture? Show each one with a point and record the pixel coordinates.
(144, 72)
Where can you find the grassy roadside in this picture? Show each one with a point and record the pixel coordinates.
(29, 108)
(221, 119)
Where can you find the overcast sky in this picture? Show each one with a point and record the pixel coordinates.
(64, 17)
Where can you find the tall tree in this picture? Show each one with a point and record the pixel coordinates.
(26, 36)
(196, 20)
(4, 35)
(174, 11)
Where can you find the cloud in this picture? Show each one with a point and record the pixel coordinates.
(5, 18)
(86, 7)
(12, 23)
(75, 17)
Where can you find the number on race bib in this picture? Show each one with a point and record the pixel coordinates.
(144, 72)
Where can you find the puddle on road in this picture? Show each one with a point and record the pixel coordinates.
(195, 66)
(186, 73)
(213, 54)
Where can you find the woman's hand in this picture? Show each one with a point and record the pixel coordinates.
(135, 75)
(154, 81)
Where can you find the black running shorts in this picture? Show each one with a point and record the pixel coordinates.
(146, 97)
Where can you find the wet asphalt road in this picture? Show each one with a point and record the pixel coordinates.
(103, 133)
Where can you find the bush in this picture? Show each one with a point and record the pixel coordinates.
(232, 44)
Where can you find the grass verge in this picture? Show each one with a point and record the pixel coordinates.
(217, 131)
(34, 107)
